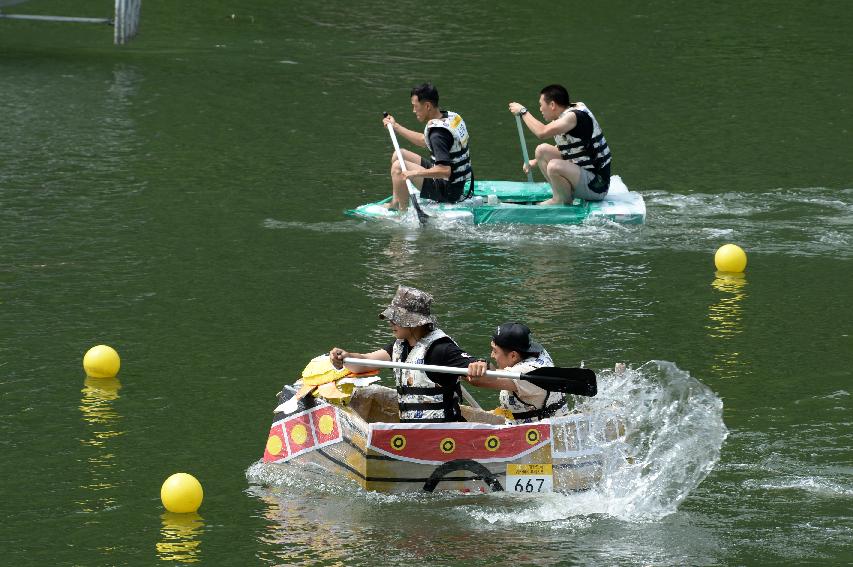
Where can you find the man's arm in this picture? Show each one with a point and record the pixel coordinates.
(477, 377)
(436, 172)
(337, 356)
(445, 352)
(441, 141)
(543, 131)
(416, 138)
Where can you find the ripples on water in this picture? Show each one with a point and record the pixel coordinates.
(674, 435)
(797, 222)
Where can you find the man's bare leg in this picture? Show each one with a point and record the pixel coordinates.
(563, 176)
(544, 154)
(399, 190)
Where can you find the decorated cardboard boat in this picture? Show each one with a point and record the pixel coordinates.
(363, 440)
(511, 202)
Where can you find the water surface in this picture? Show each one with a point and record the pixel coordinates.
(181, 199)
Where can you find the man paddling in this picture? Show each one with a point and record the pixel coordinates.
(579, 164)
(422, 396)
(520, 401)
(444, 175)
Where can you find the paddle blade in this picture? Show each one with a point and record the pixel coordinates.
(291, 404)
(577, 381)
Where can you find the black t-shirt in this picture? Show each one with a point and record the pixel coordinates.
(443, 352)
(441, 140)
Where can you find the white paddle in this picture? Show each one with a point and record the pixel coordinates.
(413, 192)
(425, 367)
(469, 398)
(578, 381)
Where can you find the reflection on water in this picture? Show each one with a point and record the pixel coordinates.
(180, 537)
(675, 437)
(549, 290)
(726, 314)
(296, 537)
(103, 423)
(328, 523)
(726, 317)
(400, 258)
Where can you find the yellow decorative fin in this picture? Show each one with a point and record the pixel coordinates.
(320, 371)
(304, 390)
(326, 377)
(330, 391)
(318, 365)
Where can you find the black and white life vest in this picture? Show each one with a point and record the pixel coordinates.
(460, 166)
(593, 154)
(420, 399)
(523, 412)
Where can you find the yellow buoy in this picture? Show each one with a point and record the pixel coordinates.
(101, 361)
(181, 493)
(730, 258)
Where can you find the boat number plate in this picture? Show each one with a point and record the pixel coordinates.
(529, 478)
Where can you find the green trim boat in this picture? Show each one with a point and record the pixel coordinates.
(512, 202)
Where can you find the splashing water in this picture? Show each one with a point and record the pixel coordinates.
(673, 434)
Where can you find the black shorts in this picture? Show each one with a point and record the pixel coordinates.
(439, 189)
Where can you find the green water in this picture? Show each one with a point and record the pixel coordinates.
(182, 198)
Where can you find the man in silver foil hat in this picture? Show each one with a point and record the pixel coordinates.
(423, 397)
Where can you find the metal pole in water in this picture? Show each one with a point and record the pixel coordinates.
(126, 20)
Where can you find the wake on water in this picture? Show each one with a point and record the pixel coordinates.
(674, 432)
(813, 221)
(801, 222)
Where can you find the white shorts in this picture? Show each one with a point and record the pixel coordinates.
(583, 190)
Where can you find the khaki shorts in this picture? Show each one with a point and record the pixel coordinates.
(591, 187)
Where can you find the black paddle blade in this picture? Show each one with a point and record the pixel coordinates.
(422, 216)
(577, 381)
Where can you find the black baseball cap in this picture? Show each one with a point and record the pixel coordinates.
(515, 336)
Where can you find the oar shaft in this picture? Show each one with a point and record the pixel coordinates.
(469, 398)
(523, 147)
(399, 152)
(427, 367)
(413, 192)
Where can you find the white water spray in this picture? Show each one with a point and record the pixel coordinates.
(673, 434)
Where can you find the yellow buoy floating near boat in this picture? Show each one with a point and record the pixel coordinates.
(101, 361)
(181, 493)
(730, 258)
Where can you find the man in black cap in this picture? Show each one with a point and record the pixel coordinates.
(520, 401)
(422, 396)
